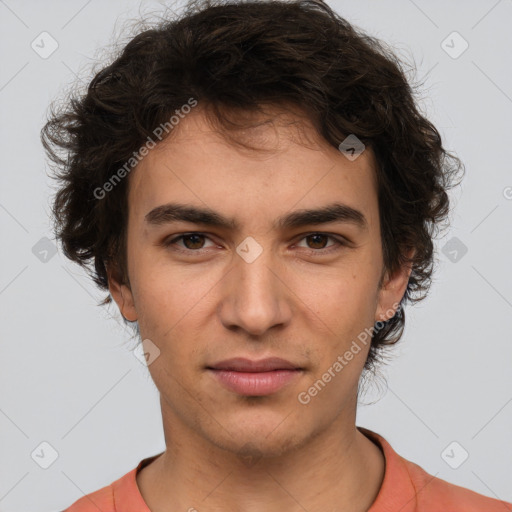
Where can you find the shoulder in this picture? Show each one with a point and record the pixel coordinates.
(433, 492)
(121, 495)
(110, 498)
(102, 499)
(409, 488)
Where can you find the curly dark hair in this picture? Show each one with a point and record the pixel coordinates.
(236, 57)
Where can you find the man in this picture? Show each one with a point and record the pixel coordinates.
(255, 188)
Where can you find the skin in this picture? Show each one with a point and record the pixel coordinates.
(297, 301)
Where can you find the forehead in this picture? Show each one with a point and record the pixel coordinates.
(293, 168)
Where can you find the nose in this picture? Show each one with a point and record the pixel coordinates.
(256, 297)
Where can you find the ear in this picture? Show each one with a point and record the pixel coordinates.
(122, 294)
(392, 290)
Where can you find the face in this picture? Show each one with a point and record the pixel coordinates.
(255, 276)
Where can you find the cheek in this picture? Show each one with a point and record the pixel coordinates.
(343, 304)
(340, 297)
(172, 303)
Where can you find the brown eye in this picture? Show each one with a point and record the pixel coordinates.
(189, 242)
(318, 241)
(193, 241)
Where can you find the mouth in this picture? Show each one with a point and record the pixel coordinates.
(255, 378)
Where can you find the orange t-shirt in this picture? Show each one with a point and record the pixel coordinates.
(406, 488)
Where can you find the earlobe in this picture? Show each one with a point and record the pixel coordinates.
(122, 295)
(392, 291)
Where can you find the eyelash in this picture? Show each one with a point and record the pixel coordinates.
(339, 243)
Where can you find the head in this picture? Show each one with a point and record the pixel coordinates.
(239, 110)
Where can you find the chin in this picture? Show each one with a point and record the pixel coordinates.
(263, 438)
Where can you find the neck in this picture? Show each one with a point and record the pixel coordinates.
(337, 470)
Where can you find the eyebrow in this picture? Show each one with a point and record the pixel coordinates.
(335, 212)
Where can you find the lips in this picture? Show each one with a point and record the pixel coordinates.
(240, 364)
(255, 378)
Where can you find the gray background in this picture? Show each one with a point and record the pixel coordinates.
(67, 376)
